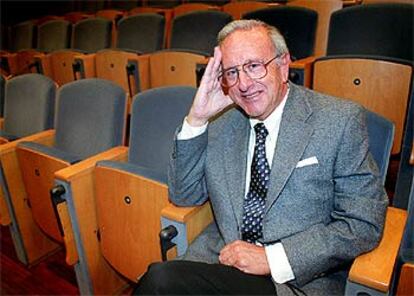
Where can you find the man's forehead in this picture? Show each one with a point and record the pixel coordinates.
(243, 46)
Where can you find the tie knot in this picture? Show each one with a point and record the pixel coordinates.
(261, 130)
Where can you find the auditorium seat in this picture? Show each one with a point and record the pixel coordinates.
(324, 9)
(28, 106)
(367, 30)
(237, 9)
(406, 166)
(374, 268)
(29, 109)
(22, 38)
(90, 118)
(192, 40)
(128, 63)
(390, 271)
(197, 30)
(405, 268)
(51, 36)
(114, 16)
(155, 115)
(89, 35)
(298, 26)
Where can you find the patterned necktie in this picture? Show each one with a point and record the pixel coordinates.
(254, 202)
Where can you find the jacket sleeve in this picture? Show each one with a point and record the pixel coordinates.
(186, 177)
(358, 214)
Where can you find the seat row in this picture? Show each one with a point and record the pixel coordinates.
(111, 226)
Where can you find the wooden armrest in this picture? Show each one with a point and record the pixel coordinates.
(11, 169)
(306, 65)
(80, 176)
(195, 218)
(405, 283)
(302, 63)
(46, 138)
(86, 166)
(412, 154)
(374, 269)
(87, 66)
(2, 123)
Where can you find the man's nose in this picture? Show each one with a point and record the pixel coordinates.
(244, 81)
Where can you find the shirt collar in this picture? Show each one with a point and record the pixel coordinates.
(273, 120)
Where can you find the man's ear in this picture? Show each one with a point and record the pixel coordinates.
(284, 63)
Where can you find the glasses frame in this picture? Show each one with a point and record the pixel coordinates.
(242, 68)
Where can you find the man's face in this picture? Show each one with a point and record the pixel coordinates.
(257, 97)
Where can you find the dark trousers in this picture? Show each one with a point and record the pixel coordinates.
(196, 278)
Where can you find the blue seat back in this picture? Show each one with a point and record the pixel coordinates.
(405, 170)
(296, 24)
(91, 35)
(198, 30)
(90, 117)
(29, 104)
(22, 36)
(156, 113)
(53, 35)
(142, 32)
(2, 84)
(385, 29)
(381, 137)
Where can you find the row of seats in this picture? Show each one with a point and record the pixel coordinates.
(80, 253)
(135, 72)
(145, 36)
(94, 204)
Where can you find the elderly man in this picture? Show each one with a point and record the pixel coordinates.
(295, 192)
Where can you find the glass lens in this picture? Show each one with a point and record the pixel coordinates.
(255, 70)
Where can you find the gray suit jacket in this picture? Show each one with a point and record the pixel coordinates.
(324, 214)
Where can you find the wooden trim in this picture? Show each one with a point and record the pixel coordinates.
(68, 237)
(174, 68)
(374, 269)
(237, 9)
(11, 169)
(84, 167)
(36, 243)
(406, 283)
(129, 209)
(360, 81)
(38, 176)
(191, 7)
(195, 218)
(307, 65)
(89, 68)
(81, 179)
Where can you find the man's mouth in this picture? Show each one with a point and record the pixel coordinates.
(251, 95)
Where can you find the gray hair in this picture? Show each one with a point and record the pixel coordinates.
(278, 41)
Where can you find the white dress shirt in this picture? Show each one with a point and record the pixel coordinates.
(280, 268)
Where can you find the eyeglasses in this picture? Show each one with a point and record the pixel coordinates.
(255, 70)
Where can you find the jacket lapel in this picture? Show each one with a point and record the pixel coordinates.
(235, 158)
(294, 135)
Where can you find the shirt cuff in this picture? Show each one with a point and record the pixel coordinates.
(188, 132)
(280, 268)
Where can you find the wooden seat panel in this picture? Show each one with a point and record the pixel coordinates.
(129, 210)
(358, 80)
